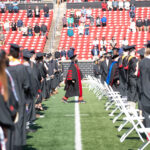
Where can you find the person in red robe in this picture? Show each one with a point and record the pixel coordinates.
(73, 84)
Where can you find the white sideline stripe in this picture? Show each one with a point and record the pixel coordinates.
(72, 115)
(78, 144)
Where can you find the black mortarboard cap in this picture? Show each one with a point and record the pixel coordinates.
(115, 56)
(32, 51)
(147, 45)
(141, 51)
(15, 47)
(39, 55)
(48, 55)
(26, 54)
(129, 48)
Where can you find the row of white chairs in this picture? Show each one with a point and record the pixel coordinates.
(119, 103)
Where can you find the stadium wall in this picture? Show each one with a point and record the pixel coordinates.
(41, 5)
(85, 66)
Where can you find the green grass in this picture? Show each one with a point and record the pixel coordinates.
(56, 131)
(98, 131)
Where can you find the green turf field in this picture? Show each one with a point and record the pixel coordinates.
(57, 130)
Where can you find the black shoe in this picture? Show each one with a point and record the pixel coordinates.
(31, 130)
(82, 102)
(64, 101)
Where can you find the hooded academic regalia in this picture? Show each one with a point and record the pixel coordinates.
(21, 80)
(113, 74)
(132, 78)
(73, 85)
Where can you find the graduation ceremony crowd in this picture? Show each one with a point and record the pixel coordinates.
(26, 80)
(127, 71)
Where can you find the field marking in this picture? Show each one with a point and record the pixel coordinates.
(78, 144)
(72, 115)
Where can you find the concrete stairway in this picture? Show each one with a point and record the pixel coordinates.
(59, 27)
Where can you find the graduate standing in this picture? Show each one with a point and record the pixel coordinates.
(73, 84)
(145, 85)
(22, 86)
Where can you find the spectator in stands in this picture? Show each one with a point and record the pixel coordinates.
(30, 31)
(24, 30)
(146, 23)
(7, 25)
(81, 29)
(3, 7)
(124, 42)
(103, 44)
(83, 19)
(72, 13)
(70, 21)
(104, 21)
(127, 5)
(133, 26)
(37, 30)
(95, 52)
(132, 14)
(15, 7)
(98, 22)
(43, 29)
(104, 6)
(89, 13)
(64, 21)
(70, 31)
(29, 12)
(115, 5)
(87, 29)
(63, 54)
(139, 24)
(109, 5)
(46, 10)
(92, 20)
(120, 5)
(14, 26)
(132, 7)
(37, 12)
(19, 24)
(83, 11)
(78, 13)
(76, 21)
(2, 39)
(113, 43)
(10, 8)
(1, 25)
(96, 43)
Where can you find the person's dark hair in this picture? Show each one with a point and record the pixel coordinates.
(14, 54)
(3, 77)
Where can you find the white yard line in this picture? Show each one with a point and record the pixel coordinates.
(78, 144)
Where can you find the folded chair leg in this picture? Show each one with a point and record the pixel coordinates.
(122, 125)
(144, 145)
(108, 107)
(126, 134)
(112, 113)
(116, 118)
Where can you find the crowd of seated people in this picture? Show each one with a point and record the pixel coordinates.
(19, 26)
(100, 46)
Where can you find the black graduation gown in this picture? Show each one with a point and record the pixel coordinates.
(96, 70)
(73, 89)
(42, 74)
(104, 68)
(53, 65)
(123, 62)
(144, 80)
(29, 96)
(114, 77)
(132, 80)
(21, 80)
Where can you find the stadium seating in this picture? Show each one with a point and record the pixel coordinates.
(117, 26)
(74, 1)
(32, 42)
